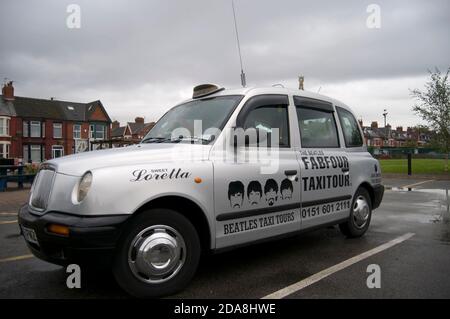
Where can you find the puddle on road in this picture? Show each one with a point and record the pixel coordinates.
(431, 206)
(440, 203)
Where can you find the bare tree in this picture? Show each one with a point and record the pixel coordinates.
(433, 105)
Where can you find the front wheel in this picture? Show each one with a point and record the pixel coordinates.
(157, 255)
(360, 215)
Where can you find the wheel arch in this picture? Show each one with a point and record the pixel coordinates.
(370, 190)
(191, 210)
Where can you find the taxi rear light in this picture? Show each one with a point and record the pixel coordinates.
(58, 229)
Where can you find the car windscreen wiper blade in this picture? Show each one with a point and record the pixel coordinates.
(195, 138)
(175, 140)
(156, 140)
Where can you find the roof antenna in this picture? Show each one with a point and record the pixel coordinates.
(243, 81)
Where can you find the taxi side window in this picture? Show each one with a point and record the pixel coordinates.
(268, 117)
(317, 128)
(350, 129)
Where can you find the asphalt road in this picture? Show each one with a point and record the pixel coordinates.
(415, 268)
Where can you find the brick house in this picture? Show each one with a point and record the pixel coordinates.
(132, 130)
(387, 137)
(38, 129)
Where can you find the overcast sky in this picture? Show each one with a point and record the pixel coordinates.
(141, 57)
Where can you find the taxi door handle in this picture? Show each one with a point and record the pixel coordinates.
(345, 169)
(291, 175)
(290, 172)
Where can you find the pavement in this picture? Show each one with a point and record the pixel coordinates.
(409, 240)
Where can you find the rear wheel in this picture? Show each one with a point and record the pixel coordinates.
(157, 255)
(360, 215)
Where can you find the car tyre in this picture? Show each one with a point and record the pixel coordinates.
(157, 254)
(360, 215)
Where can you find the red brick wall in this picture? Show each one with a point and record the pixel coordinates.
(98, 115)
(17, 139)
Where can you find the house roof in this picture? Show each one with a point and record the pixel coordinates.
(137, 128)
(51, 109)
(118, 131)
(6, 108)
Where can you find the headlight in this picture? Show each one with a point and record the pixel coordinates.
(84, 186)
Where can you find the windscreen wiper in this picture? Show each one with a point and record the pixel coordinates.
(195, 138)
(156, 140)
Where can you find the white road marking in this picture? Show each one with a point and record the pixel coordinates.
(329, 271)
(417, 184)
(8, 214)
(16, 258)
(8, 222)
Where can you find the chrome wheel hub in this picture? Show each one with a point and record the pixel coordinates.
(361, 212)
(157, 254)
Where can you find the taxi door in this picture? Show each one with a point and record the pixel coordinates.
(325, 172)
(257, 189)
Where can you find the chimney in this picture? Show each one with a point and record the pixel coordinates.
(115, 124)
(8, 91)
(139, 120)
(374, 124)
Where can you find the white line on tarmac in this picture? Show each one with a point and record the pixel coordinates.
(16, 258)
(8, 222)
(8, 214)
(333, 269)
(417, 184)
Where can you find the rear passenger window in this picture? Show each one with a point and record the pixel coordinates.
(350, 129)
(317, 128)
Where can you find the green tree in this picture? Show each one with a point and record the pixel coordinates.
(433, 105)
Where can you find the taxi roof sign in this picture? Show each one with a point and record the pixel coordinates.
(205, 89)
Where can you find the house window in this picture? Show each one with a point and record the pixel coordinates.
(57, 130)
(25, 129)
(4, 126)
(4, 149)
(33, 153)
(57, 151)
(43, 129)
(35, 129)
(76, 131)
(97, 131)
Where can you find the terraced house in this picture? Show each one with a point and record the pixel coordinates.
(38, 129)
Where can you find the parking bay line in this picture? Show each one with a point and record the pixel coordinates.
(417, 184)
(16, 258)
(8, 222)
(8, 214)
(333, 269)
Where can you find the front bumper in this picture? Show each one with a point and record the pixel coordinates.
(91, 240)
(378, 192)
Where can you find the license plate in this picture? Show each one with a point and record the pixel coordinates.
(30, 235)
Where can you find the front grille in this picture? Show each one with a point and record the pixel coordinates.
(42, 188)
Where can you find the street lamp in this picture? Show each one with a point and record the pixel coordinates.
(385, 113)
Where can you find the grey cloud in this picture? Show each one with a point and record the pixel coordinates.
(123, 45)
